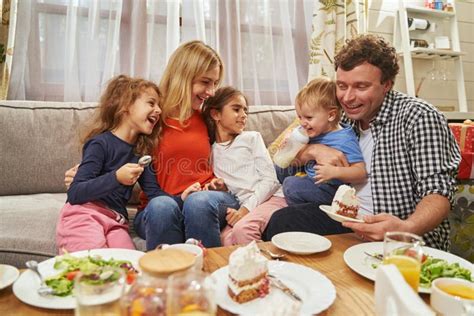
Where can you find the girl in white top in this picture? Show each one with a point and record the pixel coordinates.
(243, 162)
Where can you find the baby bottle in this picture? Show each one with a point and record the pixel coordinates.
(290, 147)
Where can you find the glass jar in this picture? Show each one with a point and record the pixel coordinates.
(147, 295)
(191, 293)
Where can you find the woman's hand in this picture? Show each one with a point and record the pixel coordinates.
(233, 215)
(195, 187)
(69, 176)
(129, 173)
(216, 184)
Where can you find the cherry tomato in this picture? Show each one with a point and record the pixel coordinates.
(71, 275)
(131, 276)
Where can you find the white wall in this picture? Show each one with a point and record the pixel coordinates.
(381, 21)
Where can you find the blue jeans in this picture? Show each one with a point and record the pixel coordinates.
(300, 190)
(202, 217)
(283, 173)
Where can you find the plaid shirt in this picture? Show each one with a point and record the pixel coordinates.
(415, 154)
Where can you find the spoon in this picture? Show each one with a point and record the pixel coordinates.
(43, 290)
(275, 256)
(144, 161)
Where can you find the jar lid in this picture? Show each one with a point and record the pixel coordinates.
(166, 261)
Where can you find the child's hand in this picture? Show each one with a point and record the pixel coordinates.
(324, 173)
(216, 184)
(195, 187)
(233, 215)
(129, 173)
(69, 176)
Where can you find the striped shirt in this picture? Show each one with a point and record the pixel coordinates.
(415, 154)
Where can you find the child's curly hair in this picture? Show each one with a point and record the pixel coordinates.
(372, 49)
(121, 92)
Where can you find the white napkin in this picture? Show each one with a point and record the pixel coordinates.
(393, 296)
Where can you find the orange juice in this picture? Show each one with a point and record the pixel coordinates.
(408, 267)
(460, 290)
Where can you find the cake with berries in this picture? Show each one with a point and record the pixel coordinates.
(345, 202)
(248, 274)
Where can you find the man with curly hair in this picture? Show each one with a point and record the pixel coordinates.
(410, 154)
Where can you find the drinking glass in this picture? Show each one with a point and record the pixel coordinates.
(98, 293)
(404, 250)
(191, 293)
(444, 74)
(433, 73)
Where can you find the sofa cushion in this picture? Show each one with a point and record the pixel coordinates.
(26, 235)
(39, 141)
(28, 227)
(270, 121)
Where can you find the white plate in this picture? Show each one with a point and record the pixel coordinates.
(316, 291)
(327, 209)
(301, 243)
(8, 275)
(25, 288)
(358, 261)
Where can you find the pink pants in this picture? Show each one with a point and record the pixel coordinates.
(90, 226)
(252, 225)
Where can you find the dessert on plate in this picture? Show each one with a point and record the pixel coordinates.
(345, 202)
(248, 272)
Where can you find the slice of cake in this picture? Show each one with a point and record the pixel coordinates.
(345, 202)
(248, 271)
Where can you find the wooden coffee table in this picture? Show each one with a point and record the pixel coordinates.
(355, 294)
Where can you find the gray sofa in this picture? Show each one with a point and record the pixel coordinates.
(39, 141)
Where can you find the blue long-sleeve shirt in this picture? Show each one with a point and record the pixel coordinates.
(95, 180)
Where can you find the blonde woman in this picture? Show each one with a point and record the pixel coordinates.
(181, 159)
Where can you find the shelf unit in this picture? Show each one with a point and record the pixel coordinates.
(446, 22)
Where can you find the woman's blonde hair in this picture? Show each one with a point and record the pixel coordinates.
(320, 93)
(121, 92)
(189, 61)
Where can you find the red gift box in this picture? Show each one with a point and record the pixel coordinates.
(464, 134)
(466, 167)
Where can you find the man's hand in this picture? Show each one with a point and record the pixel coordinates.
(195, 187)
(129, 173)
(69, 176)
(323, 154)
(376, 226)
(216, 184)
(233, 215)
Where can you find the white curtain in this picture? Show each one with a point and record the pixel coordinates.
(66, 50)
(333, 23)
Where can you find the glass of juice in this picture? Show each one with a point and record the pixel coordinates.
(191, 293)
(405, 251)
(98, 292)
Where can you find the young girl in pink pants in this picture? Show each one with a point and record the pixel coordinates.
(241, 159)
(125, 127)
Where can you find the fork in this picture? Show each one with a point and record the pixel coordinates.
(275, 256)
(282, 286)
(43, 290)
(376, 256)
